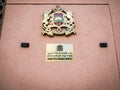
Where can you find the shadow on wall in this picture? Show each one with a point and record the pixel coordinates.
(2, 7)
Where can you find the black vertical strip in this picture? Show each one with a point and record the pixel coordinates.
(2, 9)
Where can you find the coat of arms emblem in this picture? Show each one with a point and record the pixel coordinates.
(58, 22)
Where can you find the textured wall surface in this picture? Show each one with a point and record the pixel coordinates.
(94, 68)
(58, 1)
(115, 15)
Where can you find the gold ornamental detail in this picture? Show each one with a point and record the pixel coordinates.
(58, 22)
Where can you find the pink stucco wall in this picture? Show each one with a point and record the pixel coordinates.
(115, 15)
(57, 1)
(94, 68)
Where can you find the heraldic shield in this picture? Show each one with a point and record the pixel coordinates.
(58, 22)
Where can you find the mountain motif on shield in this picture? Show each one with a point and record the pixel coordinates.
(58, 22)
